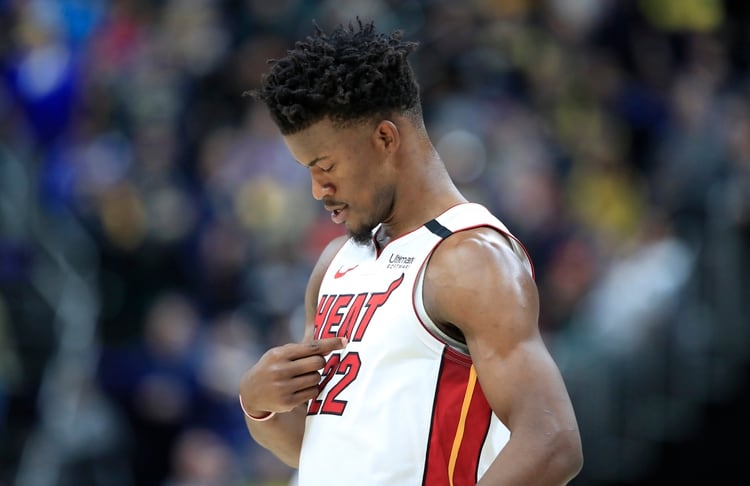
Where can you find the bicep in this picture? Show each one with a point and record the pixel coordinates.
(516, 372)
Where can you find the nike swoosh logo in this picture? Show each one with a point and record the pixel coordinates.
(341, 272)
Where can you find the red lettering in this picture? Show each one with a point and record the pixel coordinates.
(333, 319)
(334, 316)
(376, 300)
(351, 317)
(323, 307)
(329, 370)
(348, 368)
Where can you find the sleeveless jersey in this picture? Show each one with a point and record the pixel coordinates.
(401, 404)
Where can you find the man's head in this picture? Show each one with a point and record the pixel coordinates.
(348, 106)
(349, 76)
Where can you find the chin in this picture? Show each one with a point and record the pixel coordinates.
(361, 235)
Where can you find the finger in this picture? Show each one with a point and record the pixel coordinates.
(295, 392)
(302, 366)
(306, 394)
(308, 380)
(321, 347)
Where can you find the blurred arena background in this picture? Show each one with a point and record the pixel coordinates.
(155, 236)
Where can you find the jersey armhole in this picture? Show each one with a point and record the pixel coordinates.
(418, 298)
(426, 320)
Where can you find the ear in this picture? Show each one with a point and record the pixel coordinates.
(387, 137)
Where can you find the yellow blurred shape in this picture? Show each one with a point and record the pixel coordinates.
(694, 15)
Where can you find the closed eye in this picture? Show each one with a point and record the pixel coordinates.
(326, 169)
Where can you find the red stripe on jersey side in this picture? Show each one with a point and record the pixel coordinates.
(450, 393)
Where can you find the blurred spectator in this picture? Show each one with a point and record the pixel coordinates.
(200, 458)
(154, 379)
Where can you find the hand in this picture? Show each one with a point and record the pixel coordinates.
(286, 376)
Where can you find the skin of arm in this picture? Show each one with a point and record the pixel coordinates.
(475, 282)
(286, 377)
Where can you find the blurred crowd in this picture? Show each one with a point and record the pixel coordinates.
(156, 236)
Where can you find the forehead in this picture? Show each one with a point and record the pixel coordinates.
(324, 139)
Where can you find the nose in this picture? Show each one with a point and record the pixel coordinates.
(320, 187)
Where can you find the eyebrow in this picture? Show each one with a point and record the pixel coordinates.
(316, 160)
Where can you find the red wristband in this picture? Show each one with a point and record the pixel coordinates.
(265, 417)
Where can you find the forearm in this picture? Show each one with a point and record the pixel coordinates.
(282, 434)
(554, 462)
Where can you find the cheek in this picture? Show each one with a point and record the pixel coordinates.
(381, 200)
(362, 175)
(369, 189)
(369, 172)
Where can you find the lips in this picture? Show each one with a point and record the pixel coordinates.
(338, 214)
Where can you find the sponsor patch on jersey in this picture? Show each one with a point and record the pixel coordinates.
(399, 261)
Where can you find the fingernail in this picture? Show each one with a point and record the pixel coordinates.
(344, 341)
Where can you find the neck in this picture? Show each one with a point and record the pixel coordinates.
(427, 192)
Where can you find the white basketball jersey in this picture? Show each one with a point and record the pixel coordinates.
(401, 404)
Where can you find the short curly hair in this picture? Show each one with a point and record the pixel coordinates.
(348, 76)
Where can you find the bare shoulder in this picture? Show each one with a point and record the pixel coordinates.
(474, 276)
(326, 256)
(477, 256)
(316, 278)
(324, 261)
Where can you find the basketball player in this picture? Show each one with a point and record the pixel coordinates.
(422, 361)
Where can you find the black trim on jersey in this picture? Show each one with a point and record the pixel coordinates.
(438, 228)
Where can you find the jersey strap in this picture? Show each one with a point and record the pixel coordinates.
(438, 228)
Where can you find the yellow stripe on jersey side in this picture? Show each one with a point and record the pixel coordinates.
(462, 423)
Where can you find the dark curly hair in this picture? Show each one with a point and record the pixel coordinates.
(350, 75)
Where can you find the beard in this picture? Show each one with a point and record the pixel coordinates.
(382, 202)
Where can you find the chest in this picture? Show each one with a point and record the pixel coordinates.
(363, 286)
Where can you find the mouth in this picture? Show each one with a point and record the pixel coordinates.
(338, 214)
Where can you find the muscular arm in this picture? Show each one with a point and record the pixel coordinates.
(286, 377)
(476, 283)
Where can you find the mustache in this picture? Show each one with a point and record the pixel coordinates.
(328, 202)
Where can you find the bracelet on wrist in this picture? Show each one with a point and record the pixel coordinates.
(262, 418)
